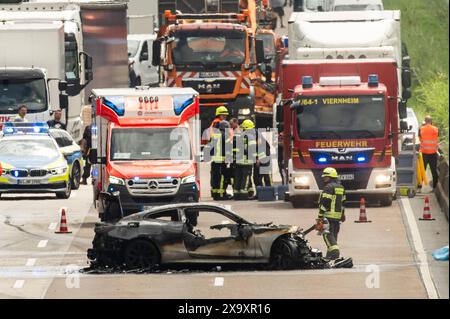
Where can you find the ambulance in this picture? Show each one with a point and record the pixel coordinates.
(146, 144)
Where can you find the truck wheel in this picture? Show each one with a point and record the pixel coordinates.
(296, 202)
(386, 200)
(76, 176)
(66, 194)
(141, 254)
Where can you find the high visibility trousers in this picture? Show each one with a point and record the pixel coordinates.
(259, 178)
(331, 240)
(242, 180)
(218, 180)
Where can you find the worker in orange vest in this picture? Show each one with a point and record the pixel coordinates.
(429, 147)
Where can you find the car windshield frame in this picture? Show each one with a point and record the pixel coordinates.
(211, 58)
(181, 132)
(51, 151)
(10, 103)
(315, 114)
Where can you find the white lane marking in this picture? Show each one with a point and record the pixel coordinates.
(42, 243)
(218, 281)
(52, 226)
(31, 262)
(19, 284)
(420, 251)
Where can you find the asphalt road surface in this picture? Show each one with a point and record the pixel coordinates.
(37, 263)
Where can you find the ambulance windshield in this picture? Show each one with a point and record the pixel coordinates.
(136, 144)
(335, 117)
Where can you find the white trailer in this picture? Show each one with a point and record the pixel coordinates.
(350, 35)
(94, 42)
(142, 16)
(31, 56)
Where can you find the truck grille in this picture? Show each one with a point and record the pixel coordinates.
(211, 86)
(153, 186)
(360, 181)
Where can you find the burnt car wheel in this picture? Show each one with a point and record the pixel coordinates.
(284, 253)
(141, 254)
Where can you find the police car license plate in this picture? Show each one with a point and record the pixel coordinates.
(29, 181)
(347, 177)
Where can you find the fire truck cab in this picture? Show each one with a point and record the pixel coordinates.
(146, 144)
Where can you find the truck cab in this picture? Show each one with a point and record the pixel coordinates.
(147, 143)
(357, 5)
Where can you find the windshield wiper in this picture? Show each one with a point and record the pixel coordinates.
(366, 132)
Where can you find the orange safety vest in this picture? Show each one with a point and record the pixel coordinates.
(429, 139)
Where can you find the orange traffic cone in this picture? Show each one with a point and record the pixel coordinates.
(426, 210)
(63, 225)
(362, 212)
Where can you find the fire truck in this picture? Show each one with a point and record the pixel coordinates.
(344, 87)
(147, 146)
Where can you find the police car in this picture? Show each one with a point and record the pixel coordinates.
(31, 161)
(72, 152)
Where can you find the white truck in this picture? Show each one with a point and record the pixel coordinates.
(312, 5)
(30, 63)
(350, 35)
(142, 16)
(93, 42)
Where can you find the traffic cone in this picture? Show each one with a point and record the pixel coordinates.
(362, 212)
(426, 210)
(63, 225)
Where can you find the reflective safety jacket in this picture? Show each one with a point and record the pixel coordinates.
(221, 150)
(331, 201)
(245, 147)
(429, 139)
(264, 154)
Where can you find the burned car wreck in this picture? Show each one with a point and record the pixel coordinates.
(199, 233)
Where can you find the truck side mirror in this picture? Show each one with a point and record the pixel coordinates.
(260, 55)
(63, 101)
(88, 65)
(62, 86)
(406, 94)
(404, 126)
(402, 110)
(156, 57)
(406, 78)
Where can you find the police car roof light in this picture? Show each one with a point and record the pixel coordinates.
(24, 128)
(307, 81)
(373, 80)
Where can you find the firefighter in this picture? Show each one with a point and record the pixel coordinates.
(429, 147)
(262, 168)
(331, 207)
(221, 145)
(244, 149)
(221, 115)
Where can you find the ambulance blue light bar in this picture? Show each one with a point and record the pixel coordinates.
(11, 128)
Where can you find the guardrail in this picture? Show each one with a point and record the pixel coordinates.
(442, 187)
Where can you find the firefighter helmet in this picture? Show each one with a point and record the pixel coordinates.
(222, 110)
(330, 172)
(248, 125)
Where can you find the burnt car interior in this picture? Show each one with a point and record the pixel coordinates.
(166, 215)
(206, 226)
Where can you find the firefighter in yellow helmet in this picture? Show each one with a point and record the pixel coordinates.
(331, 208)
(245, 154)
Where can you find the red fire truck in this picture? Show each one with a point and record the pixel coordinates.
(344, 114)
(146, 142)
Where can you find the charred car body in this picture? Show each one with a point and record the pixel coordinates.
(193, 233)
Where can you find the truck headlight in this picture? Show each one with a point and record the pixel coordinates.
(244, 111)
(188, 179)
(58, 170)
(383, 179)
(301, 180)
(116, 180)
